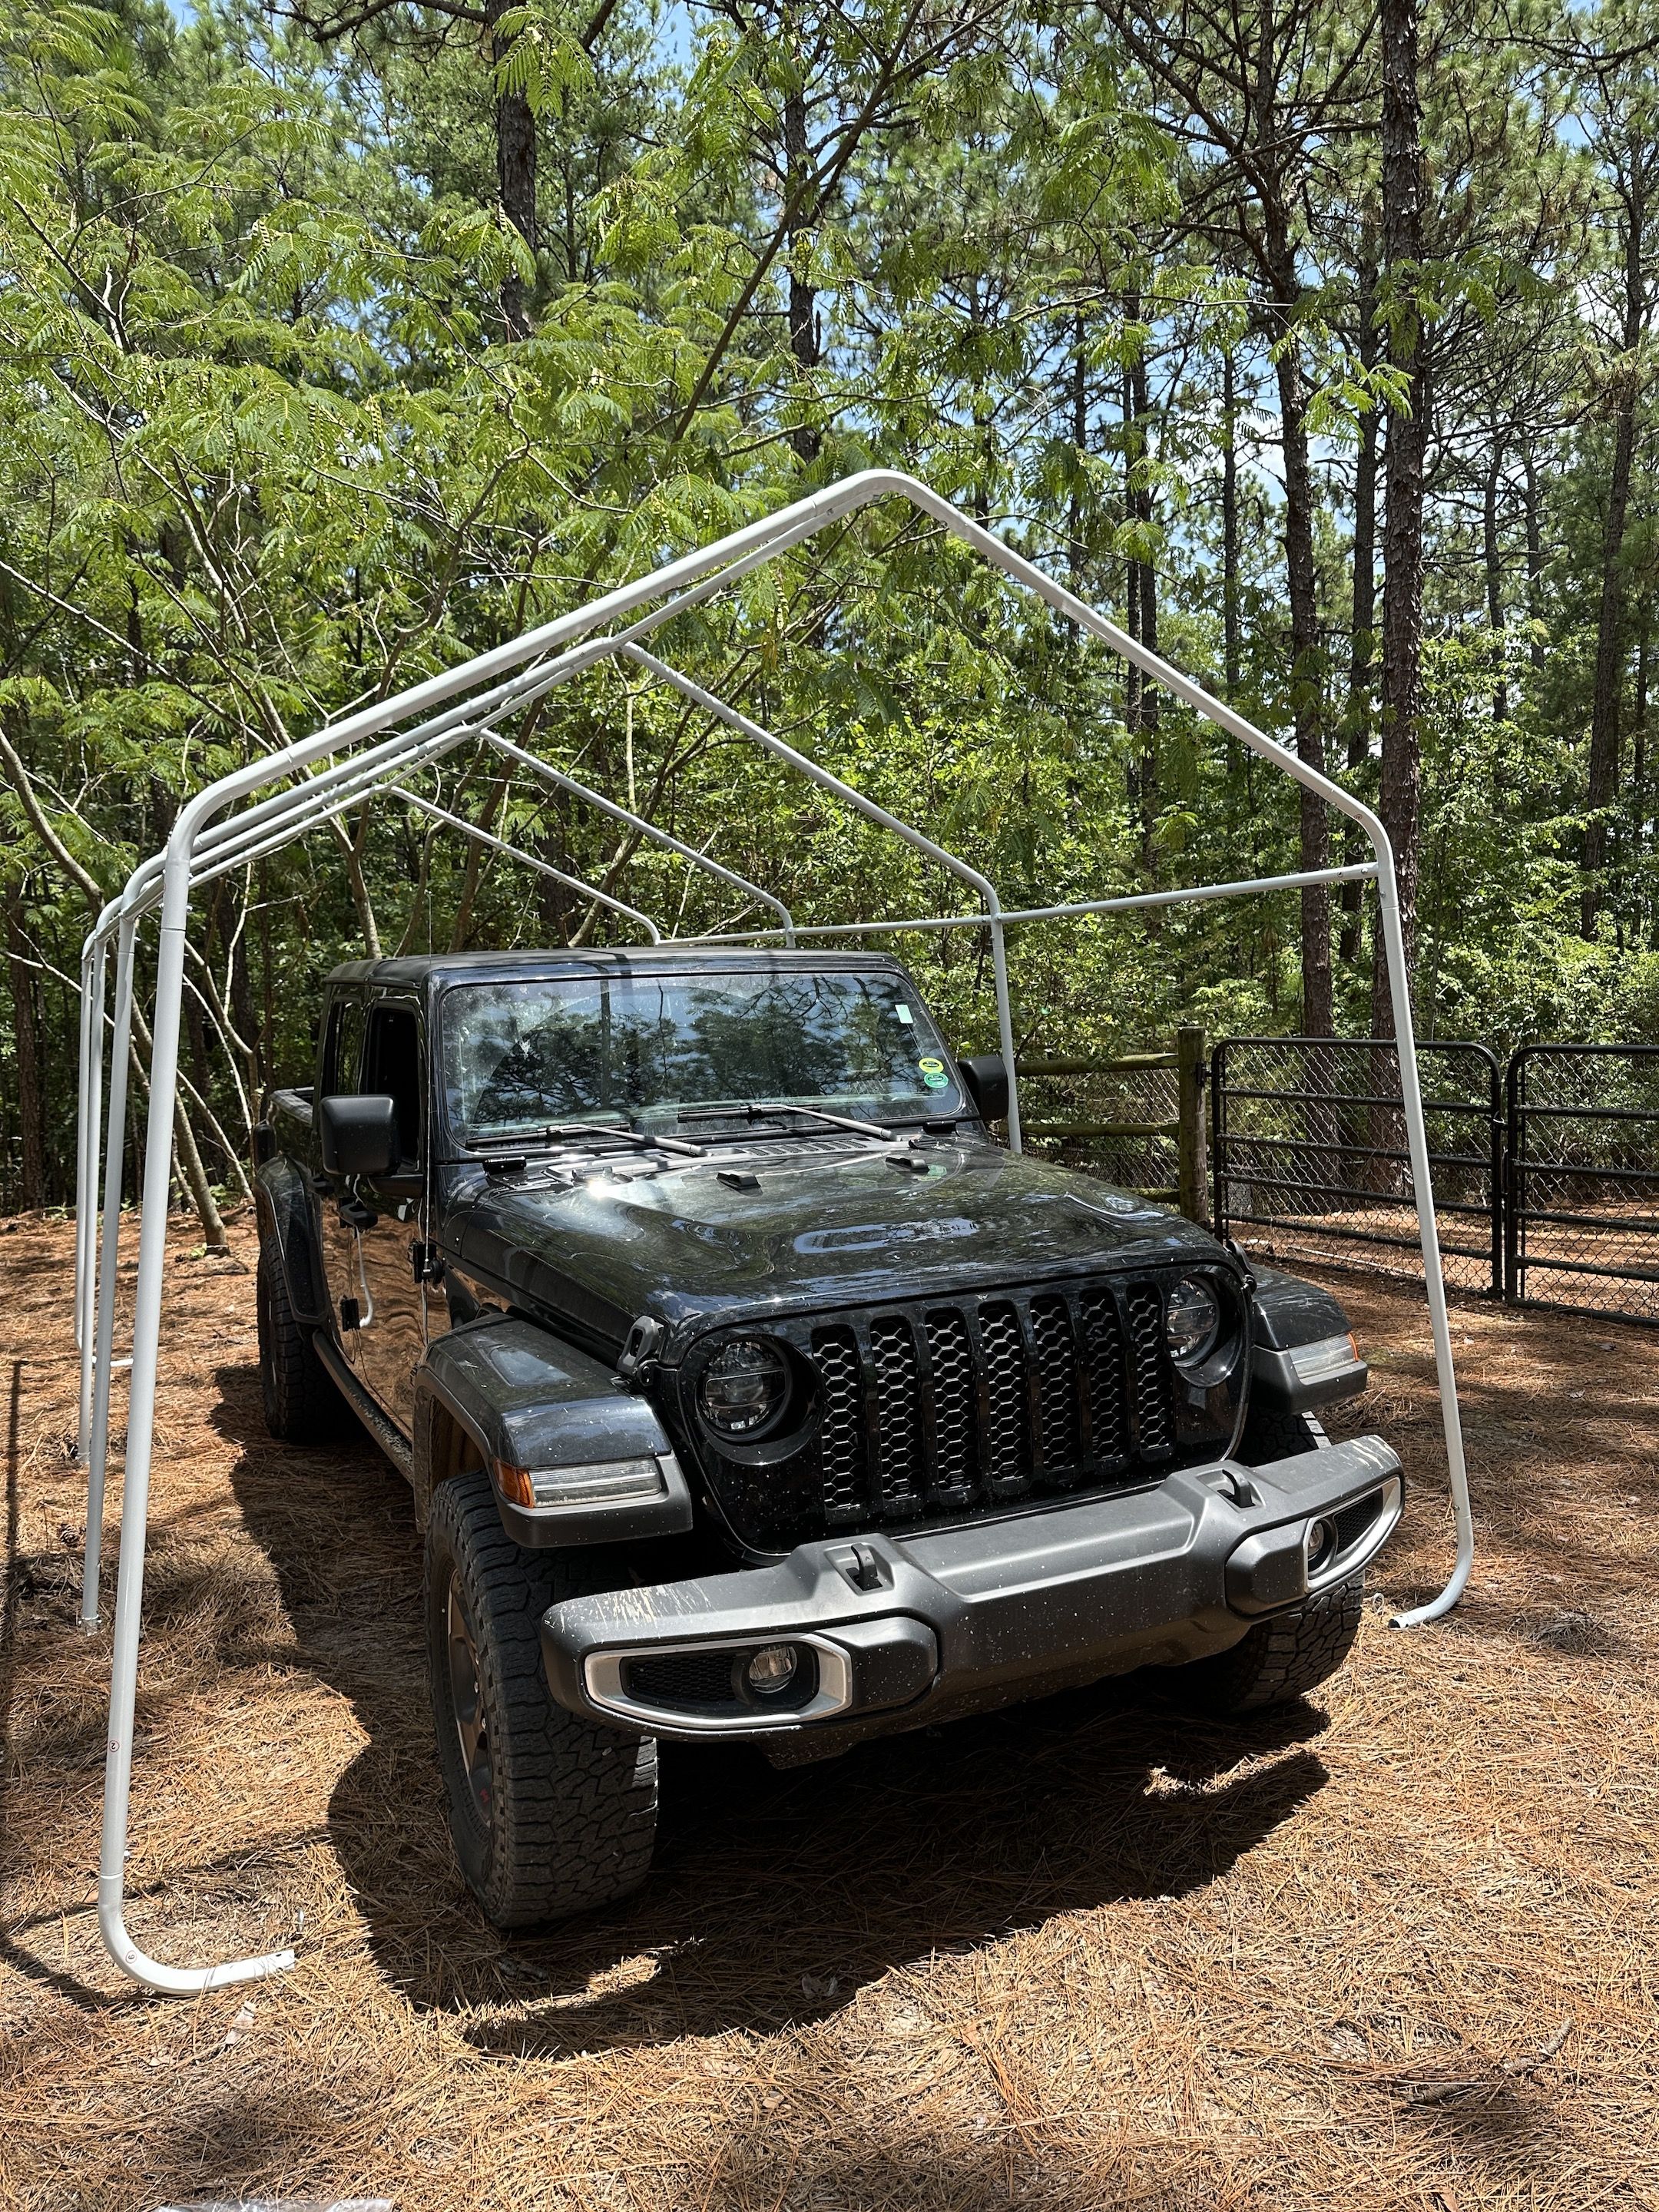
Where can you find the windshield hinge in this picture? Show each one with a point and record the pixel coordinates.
(639, 1350)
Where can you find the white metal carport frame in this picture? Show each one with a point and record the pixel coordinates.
(448, 710)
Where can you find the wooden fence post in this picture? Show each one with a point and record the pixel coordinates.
(1192, 1177)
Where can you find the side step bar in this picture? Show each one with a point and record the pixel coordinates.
(385, 1431)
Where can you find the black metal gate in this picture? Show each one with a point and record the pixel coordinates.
(1581, 1195)
(1310, 1160)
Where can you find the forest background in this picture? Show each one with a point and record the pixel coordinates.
(341, 339)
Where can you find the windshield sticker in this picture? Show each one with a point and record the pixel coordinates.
(932, 1073)
(904, 1014)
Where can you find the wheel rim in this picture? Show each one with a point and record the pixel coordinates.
(467, 1705)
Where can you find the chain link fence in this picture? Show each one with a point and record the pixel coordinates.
(1136, 1121)
(1582, 1228)
(1310, 1159)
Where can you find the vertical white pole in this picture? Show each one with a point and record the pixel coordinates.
(103, 1345)
(1005, 1022)
(141, 1434)
(1434, 1281)
(82, 1071)
(86, 1178)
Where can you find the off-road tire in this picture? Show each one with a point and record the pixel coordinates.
(572, 1809)
(1279, 1659)
(301, 1404)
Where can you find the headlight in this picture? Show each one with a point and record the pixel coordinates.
(1192, 1319)
(744, 1389)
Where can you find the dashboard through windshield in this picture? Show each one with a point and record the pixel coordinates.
(517, 1056)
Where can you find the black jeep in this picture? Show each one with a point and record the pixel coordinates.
(748, 1387)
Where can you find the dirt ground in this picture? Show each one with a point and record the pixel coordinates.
(1396, 1947)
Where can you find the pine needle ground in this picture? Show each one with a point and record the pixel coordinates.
(1398, 1946)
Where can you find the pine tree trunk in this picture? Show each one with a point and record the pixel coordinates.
(1402, 532)
(1302, 586)
(1535, 564)
(1492, 561)
(1080, 447)
(804, 334)
(1132, 679)
(1362, 650)
(1229, 654)
(1639, 795)
(1609, 642)
(515, 171)
(1146, 595)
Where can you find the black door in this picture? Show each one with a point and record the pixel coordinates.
(343, 1056)
(390, 1335)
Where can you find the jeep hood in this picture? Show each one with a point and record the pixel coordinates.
(794, 1227)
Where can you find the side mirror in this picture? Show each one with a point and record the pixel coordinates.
(359, 1135)
(987, 1080)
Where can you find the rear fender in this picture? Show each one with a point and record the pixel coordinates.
(545, 1418)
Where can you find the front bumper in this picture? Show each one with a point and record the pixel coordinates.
(896, 1632)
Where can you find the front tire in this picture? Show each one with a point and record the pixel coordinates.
(301, 1404)
(551, 1814)
(1279, 1661)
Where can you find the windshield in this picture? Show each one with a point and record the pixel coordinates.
(518, 1056)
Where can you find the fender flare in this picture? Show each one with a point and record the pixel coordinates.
(283, 1206)
(1304, 1356)
(507, 1395)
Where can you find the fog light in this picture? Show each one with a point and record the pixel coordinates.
(1321, 1544)
(771, 1669)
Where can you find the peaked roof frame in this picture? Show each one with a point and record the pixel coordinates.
(374, 751)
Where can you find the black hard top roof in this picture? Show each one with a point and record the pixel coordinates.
(416, 971)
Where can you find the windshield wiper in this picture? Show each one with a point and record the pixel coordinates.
(555, 1132)
(774, 1110)
(637, 1138)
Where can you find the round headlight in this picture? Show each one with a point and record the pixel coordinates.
(744, 1388)
(1192, 1319)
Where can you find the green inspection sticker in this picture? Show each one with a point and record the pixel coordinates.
(932, 1073)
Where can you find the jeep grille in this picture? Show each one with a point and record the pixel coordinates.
(941, 1408)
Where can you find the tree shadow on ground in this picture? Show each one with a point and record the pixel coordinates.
(775, 1895)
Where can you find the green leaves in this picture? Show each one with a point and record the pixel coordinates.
(540, 56)
(266, 452)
